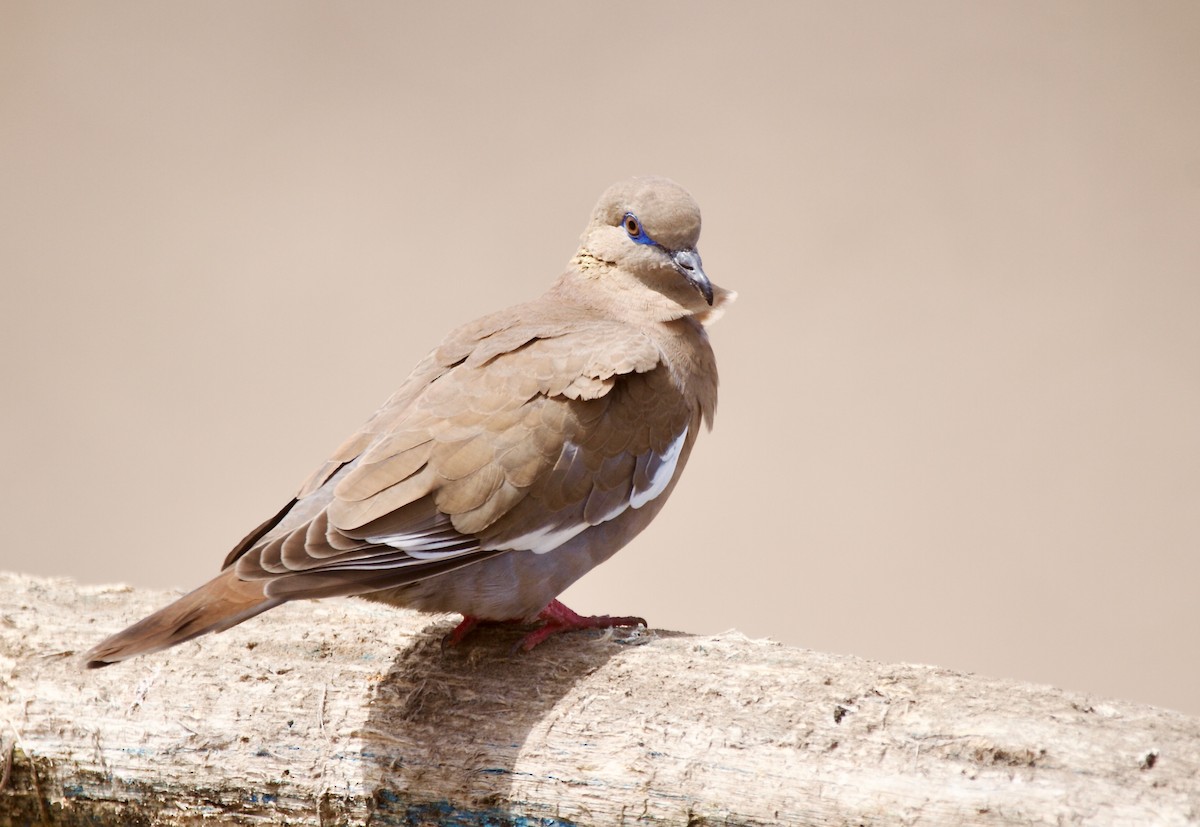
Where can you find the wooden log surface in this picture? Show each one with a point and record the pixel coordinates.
(343, 712)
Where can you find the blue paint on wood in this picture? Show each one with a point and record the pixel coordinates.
(391, 810)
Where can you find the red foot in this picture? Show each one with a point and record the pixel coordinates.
(556, 618)
(461, 631)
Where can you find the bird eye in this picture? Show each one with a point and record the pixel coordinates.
(632, 226)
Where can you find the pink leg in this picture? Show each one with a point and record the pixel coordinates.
(558, 618)
(460, 631)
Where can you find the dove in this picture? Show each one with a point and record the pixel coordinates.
(529, 447)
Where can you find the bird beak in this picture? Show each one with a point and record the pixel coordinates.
(687, 262)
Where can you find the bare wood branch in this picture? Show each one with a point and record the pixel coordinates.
(342, 712)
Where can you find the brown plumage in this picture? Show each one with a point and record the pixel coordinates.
(531, 445)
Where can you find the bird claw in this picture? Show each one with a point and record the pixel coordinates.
(555, 618)
(456, 635)
(558, 618)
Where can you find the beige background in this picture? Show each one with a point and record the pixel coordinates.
(961, 388)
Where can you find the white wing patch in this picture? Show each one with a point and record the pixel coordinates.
(547, 538)
(430, 544)
(659, 469)
(652, 475)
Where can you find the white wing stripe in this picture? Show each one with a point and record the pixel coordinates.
(426, 544)
(659, 470)
(546, 538)
(656, 470)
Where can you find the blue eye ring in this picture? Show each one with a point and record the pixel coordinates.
(635, 230)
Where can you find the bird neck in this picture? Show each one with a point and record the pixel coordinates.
(584, 261)
(617, 293)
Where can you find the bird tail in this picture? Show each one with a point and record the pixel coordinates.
(219, 604)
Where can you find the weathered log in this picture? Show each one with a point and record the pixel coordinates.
(342, 712)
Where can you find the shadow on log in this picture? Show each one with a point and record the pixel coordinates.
(343, 712)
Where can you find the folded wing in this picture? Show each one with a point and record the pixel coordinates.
(508, 437)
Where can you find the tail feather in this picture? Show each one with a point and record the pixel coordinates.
(216, 606)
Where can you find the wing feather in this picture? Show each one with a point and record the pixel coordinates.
(509, 436)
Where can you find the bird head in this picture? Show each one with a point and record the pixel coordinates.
(643, 234)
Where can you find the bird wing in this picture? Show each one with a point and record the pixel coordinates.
(509, 436)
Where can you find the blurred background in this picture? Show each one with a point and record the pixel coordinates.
(960, 411)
